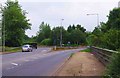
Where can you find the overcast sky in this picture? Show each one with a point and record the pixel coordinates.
(72, 11)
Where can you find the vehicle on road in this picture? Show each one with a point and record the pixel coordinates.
(27, 48)
(33, 44)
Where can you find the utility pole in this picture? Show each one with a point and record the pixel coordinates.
(3, 33)
(0, 27)
(61, 33)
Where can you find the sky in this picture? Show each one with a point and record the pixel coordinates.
(72, 11)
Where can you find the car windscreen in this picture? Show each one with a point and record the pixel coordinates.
(25, 46)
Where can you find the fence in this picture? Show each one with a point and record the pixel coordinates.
(103, 55)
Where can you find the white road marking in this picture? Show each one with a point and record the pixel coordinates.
(10, 68)
(14, 64)
(27, 60)
(43, 50)
(35, 58)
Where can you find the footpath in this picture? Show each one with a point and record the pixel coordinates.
(82, 64)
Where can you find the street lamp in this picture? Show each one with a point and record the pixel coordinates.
(61, 33)
(97, 17)
(3, 28)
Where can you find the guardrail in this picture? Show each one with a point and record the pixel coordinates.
(103, 55)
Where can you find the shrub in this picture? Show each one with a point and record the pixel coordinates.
(46, 42)
(113, 69)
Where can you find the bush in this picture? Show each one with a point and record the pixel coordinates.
(111, 39)
(46, 42)
(86, 50)
(113, 69)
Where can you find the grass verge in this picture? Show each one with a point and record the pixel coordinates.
(63, 48)
(12, 49)
(86, 50)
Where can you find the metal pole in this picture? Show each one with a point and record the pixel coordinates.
(3, 31)
(61, 34)
(3, 35)
(98, 20)
(0, 35)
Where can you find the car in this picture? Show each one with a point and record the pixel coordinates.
(27, 48)
(33, 44)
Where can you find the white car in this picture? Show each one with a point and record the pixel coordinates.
(27, 48)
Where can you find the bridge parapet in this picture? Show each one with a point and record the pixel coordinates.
(104, 55)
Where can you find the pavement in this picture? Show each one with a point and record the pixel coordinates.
(82, 64)
(40, 62)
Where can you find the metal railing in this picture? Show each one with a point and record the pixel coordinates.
(103, 55)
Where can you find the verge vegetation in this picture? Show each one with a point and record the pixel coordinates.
(86, 50)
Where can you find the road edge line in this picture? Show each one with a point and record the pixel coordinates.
(61, 66)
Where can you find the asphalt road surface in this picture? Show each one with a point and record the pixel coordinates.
(40, 62)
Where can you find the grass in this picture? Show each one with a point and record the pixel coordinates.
(62, 48)
(86, 50)
(72, 54)
(12, 49)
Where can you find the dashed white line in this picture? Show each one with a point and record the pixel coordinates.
(27, 60)
(35, 58)
(43, 50)
(10, 68)
(14, 64)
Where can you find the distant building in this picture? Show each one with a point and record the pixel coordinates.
(119, 4)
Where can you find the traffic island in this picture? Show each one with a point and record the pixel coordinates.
(82, 64)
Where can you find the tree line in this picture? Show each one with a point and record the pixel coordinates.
(107, 35)
(73, 35)
(15, 23)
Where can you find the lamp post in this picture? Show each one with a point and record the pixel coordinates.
(3, 29)
(97, 17)
(61, 33)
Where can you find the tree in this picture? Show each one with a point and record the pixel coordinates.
(97, 31)
(93, 40)
(69, 29)
(44, 32)
(73, 27)
(80, 28)
(103, 27)
(46, 42)
(107, 34)
(77, 37)
(112, 39)
(14, 23)
(114, 19)
(56, 33)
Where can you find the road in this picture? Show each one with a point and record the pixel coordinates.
(40, 62)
